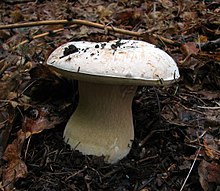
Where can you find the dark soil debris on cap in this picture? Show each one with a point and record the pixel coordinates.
(69, 50)
(117, 44)
(85, 49)
(113, 46)
(103, 45)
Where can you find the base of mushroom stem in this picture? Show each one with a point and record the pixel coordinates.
(112, 155)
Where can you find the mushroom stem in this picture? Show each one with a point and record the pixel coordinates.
(102, 123)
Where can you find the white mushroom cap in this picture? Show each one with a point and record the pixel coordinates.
(119, 61)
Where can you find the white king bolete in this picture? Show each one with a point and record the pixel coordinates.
(108, 74)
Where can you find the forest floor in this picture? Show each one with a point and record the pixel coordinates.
(177, 128)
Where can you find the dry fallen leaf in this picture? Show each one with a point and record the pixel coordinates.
(15, 167)
(5, 128)
(13, 171)
(188, 49)
(209, 175)
(211, 147)
(129, 15)
(39, 120)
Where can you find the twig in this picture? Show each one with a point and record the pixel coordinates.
(82, 22)
(197, 139)
(194, 161)
(204, 107)
(147, 158)
(76, 173)
(66, 22)
(150, 134)
(26, 150)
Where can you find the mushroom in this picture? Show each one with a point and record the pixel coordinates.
(108, 74)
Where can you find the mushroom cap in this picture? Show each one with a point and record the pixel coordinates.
(125, 62)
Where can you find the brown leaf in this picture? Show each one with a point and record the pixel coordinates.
(129, 15)
(40, 120)
(15, 167)
(189, 48)
(5, 128)
(211, 147)
(209, 175)
(13, 171)
(13, 150)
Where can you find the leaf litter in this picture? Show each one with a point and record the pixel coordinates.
(172, 124)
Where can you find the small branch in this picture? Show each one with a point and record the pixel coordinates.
(66, 22)
(81, 22)
(190, 170)
(204, 107)
(150, 134)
